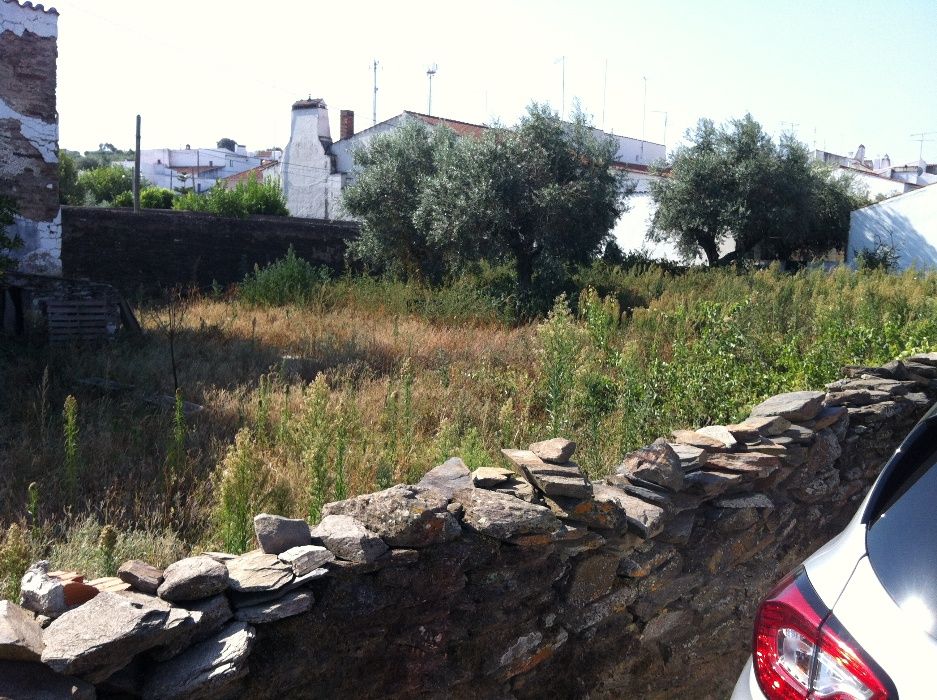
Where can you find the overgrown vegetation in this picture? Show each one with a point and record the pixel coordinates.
(540, 197)
(317, 395)
(245, 199)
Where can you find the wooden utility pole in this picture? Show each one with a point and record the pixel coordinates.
(136, 171)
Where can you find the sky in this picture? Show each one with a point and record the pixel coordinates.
(837, 72)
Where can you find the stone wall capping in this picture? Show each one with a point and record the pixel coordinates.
(492, 583)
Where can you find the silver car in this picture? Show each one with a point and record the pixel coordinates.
(858, 620)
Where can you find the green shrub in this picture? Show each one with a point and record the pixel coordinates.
(105, 184)
(8, 243)
(156, 198)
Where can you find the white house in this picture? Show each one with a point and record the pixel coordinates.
(193, 168)
(907, 223)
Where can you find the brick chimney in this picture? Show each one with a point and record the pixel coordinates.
(346, 127)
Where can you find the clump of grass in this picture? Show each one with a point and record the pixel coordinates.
(15, 554)
(289, 280)
(72, 457)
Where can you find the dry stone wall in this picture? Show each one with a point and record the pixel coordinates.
(29, 131)
(516, 581)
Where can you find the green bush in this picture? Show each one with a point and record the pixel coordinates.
(105, 184)
(156, 198)
(7, 242)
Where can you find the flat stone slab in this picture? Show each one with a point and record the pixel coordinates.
(657, 463)
(722, 434)
(206, 670)
(556, 450)
(490, 477)
(795, 406)
(766, 425)
(694, 438)
(291, 604)
(448, 477)
(255, 572)
(403, 516)
(244, 600)
(193, 578)
(276, 534)
(753, 464)
(103, 635)
(141, 576)
(519, 488)
(503, 517)
(711, 483)
(305, 559)
(348, 539)
(20, 634)
(828, 415)
(551, 479)
(690, 457)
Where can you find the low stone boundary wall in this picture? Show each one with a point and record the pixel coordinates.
(520, 582)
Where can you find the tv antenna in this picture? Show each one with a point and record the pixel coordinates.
(921, 138)
(430, 72)
(374, 102)
(661, 111)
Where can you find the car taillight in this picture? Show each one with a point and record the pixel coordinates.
(801, 652)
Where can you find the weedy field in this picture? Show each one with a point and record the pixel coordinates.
(315, 389)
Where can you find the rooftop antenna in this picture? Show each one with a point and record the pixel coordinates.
(562, 60)
(374, 101)
(430, 72)
(644, 122)
(920, 138)
(604, 93)
(660, 111)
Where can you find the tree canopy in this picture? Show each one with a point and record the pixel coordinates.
(227, 144)
(733, 182)
(540, 196)
(245, 199)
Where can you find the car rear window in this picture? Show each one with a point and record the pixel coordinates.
(902, 526)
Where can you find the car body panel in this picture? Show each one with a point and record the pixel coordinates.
(896, 638)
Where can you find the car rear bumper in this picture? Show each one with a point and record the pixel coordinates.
(746, 688)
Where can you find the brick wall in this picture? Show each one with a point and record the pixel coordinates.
(29, 131)
(159, 249)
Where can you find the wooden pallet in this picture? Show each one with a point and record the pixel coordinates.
(76, 320)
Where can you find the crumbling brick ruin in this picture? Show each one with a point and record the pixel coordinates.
(29, 131)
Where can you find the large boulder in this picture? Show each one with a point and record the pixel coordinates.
(403, 516)
(276, 534)
(193, 578)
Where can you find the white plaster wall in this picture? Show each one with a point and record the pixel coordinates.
(908, 222)
(306, 168)
(344, 150)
